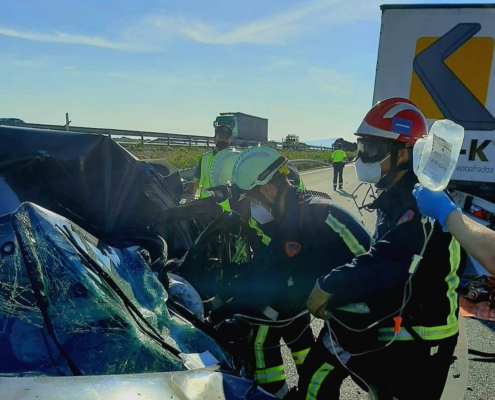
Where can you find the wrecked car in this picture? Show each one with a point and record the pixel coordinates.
(83, 315)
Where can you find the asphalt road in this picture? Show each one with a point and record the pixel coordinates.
(480, 334)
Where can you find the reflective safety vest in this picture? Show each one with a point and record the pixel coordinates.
(204, 180)
(338, 156)
(204, 176)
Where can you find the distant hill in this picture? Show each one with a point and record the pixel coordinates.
(321, 142)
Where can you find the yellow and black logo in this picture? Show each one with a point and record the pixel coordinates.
(452, 75)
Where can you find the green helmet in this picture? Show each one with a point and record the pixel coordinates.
(256, 166)
(221, 167)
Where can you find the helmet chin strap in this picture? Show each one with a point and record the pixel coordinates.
(395, 169)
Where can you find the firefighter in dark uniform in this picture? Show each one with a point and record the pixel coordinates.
(309, 235)
(407, 281)
(258, 228)
(252, 238)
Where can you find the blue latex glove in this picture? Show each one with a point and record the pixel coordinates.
(434, 204)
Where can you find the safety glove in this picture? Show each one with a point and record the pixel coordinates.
(434, 204)
(317, 302)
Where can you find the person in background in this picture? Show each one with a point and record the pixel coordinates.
(476, 239)
(223, 136)
(338, 159)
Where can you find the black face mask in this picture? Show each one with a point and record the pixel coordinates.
(221, 145)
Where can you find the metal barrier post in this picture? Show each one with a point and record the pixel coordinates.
(67, 122)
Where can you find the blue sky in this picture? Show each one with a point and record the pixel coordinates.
(172, 66)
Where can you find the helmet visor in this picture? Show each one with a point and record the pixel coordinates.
(370, 150)
(278, 164)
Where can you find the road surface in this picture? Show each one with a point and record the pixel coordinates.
(481, 334)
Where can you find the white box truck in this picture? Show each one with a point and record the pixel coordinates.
(441, 57)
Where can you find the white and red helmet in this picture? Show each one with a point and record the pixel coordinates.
(397, 119)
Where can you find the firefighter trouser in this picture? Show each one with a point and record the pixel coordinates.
(267, 357)
(414, 369)
(338, 170)
(405, 370)
(323, 372)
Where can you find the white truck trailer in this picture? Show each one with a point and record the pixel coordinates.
(441, 57)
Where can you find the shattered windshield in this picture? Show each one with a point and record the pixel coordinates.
(71, 305)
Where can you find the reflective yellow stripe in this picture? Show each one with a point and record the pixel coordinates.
(452, 326)
(317, 379)
(259, 354)
(300, 356)
(264, 238)
(225, 205)
(204, 177)
(345, 234)
(453, 280)
(301, 184)
(426, 333)
(269, 375)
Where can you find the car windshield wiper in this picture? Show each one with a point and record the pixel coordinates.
(43, 304)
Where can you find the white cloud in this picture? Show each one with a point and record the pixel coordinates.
(60, 37)
(280, 64)
(332, 81)
(152, 31)
(30, 62)
(271, 30)
(155, 81)
(69, 67)
(274, 30)
(25, 61)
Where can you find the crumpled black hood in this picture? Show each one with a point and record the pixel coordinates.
(93, 181)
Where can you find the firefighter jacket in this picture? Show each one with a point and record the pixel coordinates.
(380, 277)
(312, 236)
